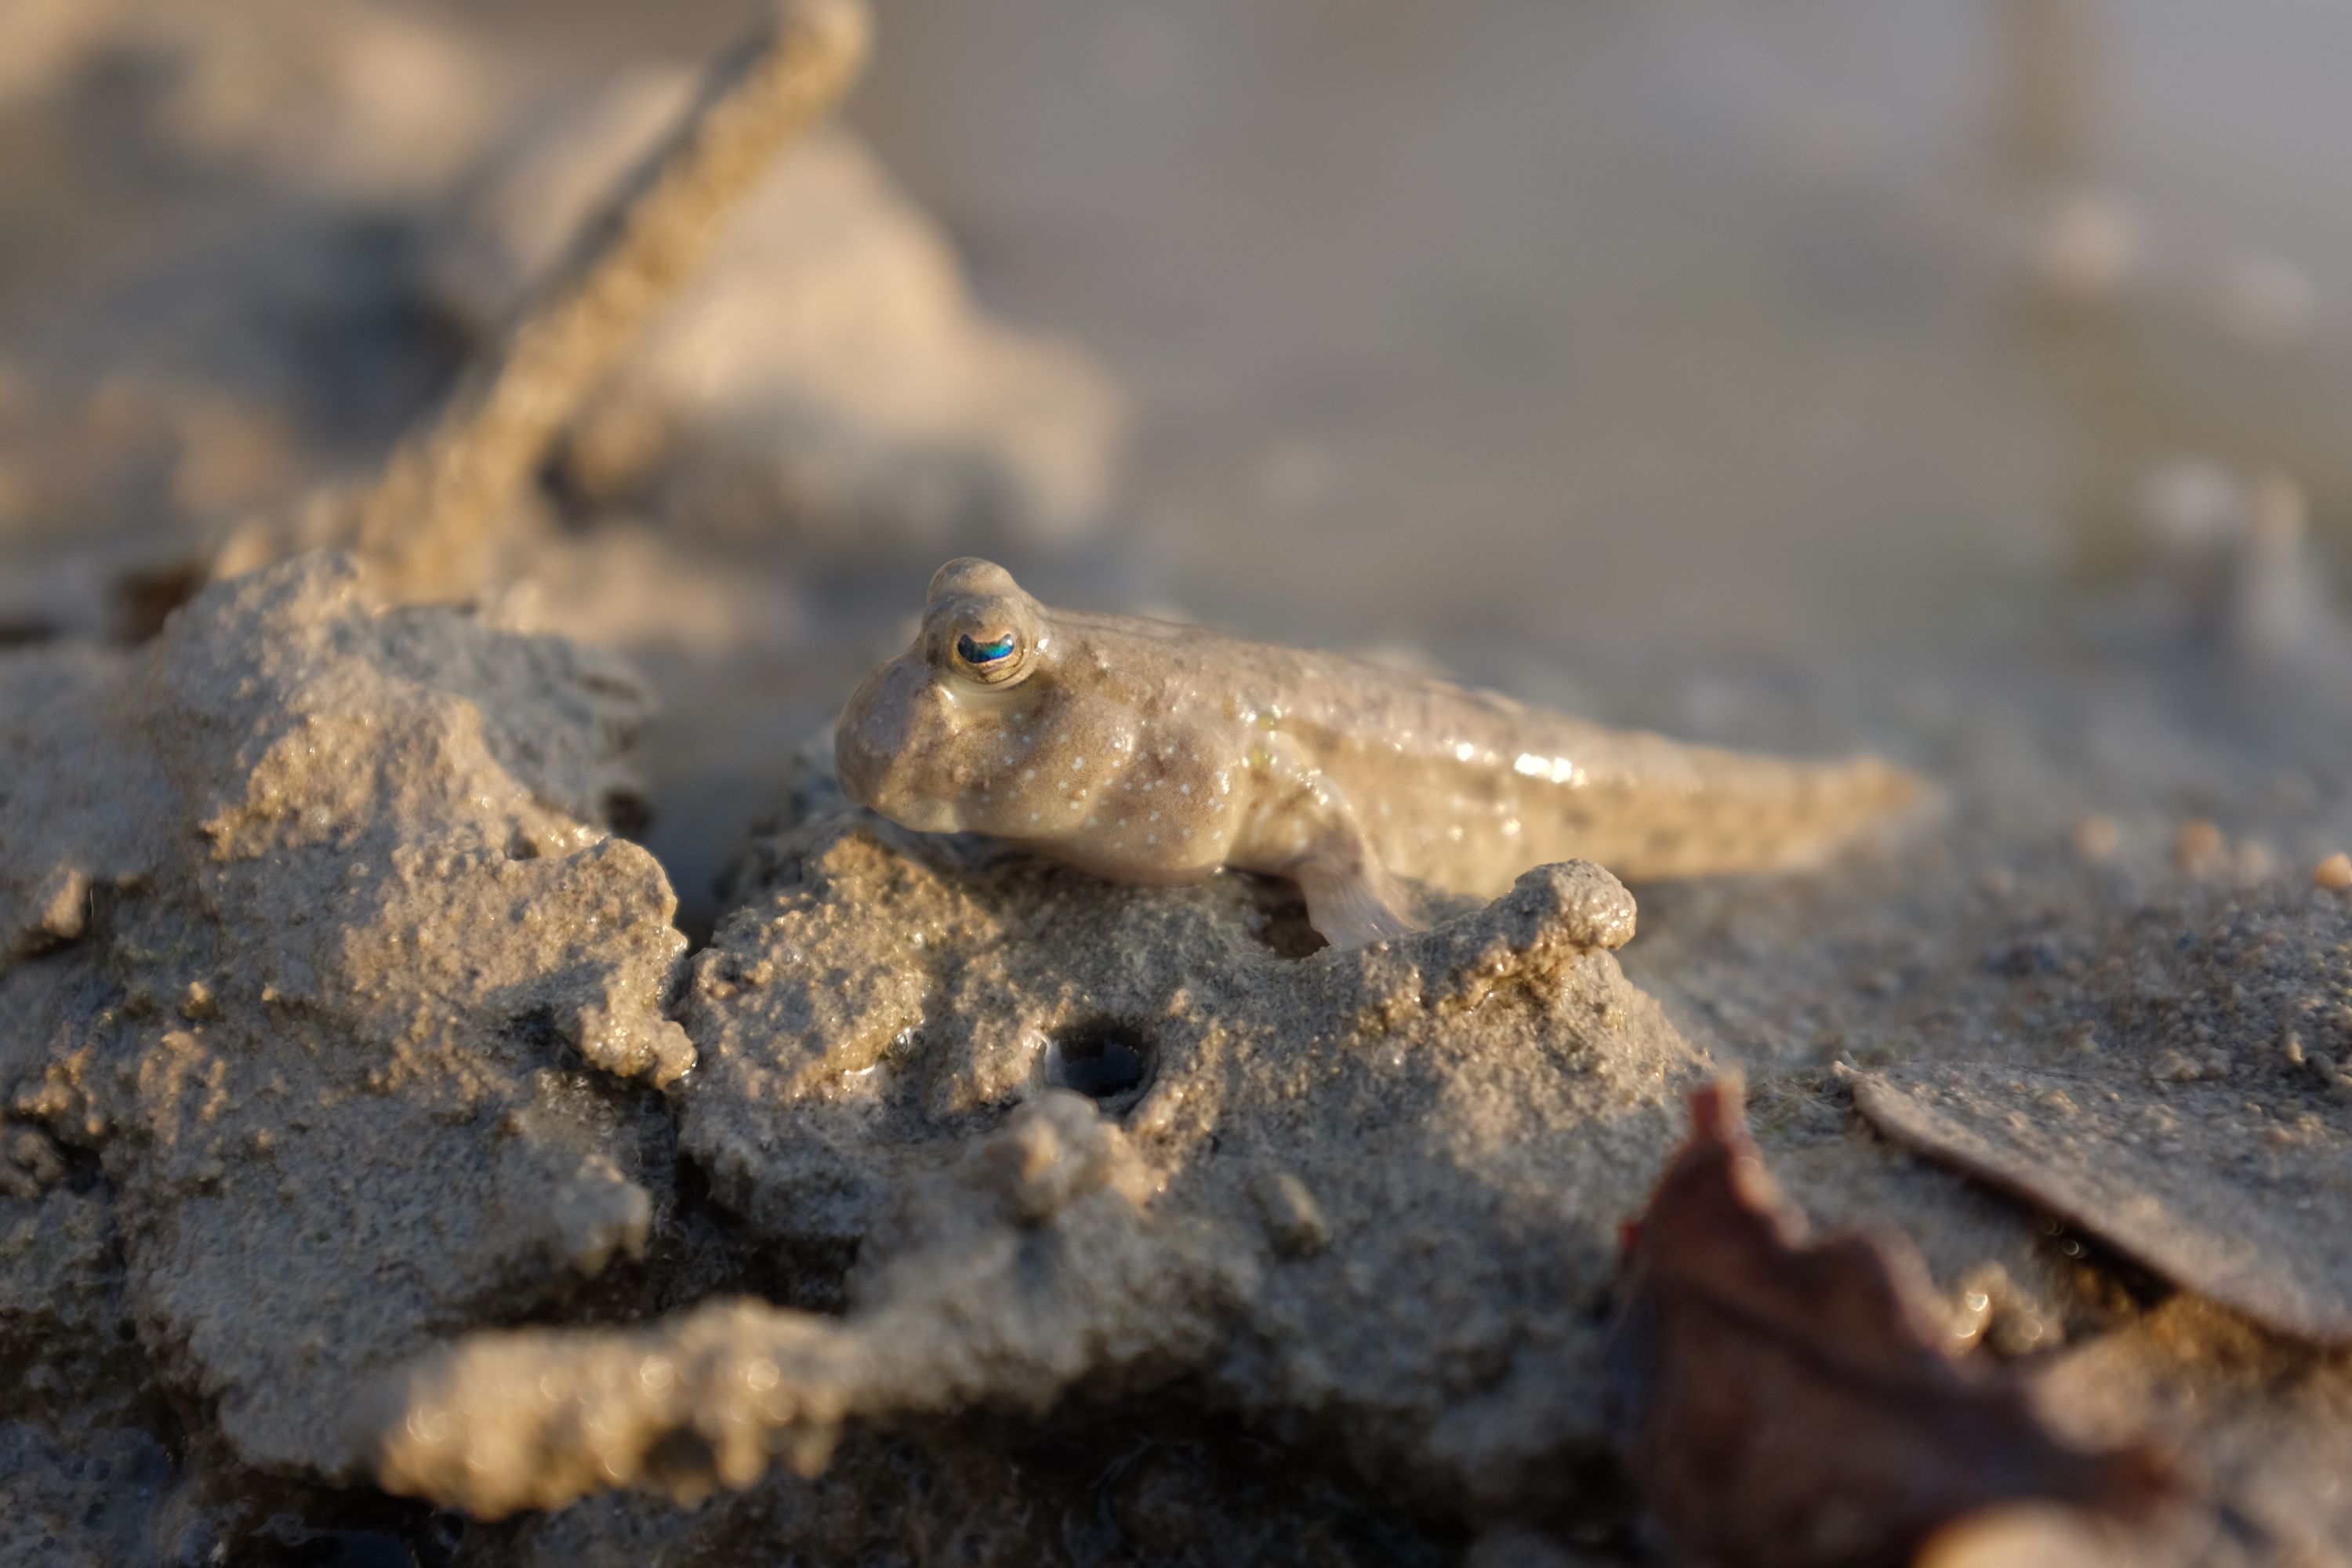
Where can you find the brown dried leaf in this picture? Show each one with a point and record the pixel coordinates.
(1790, 1405)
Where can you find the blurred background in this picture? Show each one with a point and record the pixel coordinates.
(1543, 342)
(1776, 323)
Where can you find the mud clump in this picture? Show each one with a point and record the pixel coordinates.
(1366, 1197)
(317, 944)
(2178, 1094)
(73, 1503)
(61, 1312)
(827, 366)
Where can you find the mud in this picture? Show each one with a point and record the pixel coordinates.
(251, 899)
(827, 365)
(1085, 1140)
(2259, 1420)
(1063, 1494)
(384, 1173)
(76, 1504)
(2220, 1192)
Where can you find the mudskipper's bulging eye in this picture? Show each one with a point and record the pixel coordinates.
(972, 651)
(991, 654)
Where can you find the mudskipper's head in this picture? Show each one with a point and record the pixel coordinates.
(922, 738)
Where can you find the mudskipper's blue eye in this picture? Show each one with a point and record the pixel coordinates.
(988, 648)
(994, 654)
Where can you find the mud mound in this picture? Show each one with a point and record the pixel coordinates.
(318, 939)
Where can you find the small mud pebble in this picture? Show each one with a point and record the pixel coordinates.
(2195, 846)
(2096, 839)
(2334, 873)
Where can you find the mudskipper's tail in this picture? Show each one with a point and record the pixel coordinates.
(1710, 812)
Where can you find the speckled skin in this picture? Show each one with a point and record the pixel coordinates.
(1147, 751)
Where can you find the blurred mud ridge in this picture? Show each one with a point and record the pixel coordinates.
(472, 1092)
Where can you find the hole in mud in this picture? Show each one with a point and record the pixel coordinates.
(1109, 1062)
(626, 812)
(1287, 933)
(1278, 919)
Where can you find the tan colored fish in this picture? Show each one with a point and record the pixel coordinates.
(1149, 751)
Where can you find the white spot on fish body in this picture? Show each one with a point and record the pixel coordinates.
(1559, 770)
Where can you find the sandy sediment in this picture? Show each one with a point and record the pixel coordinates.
(327, 982)
(2184, 1101)
(319, 943)
(1096, 1138)
(73, 1501)
(1086, 1141)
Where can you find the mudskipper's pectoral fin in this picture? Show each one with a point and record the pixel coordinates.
(1354, 902)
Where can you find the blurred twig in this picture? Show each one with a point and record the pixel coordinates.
(427, 522)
